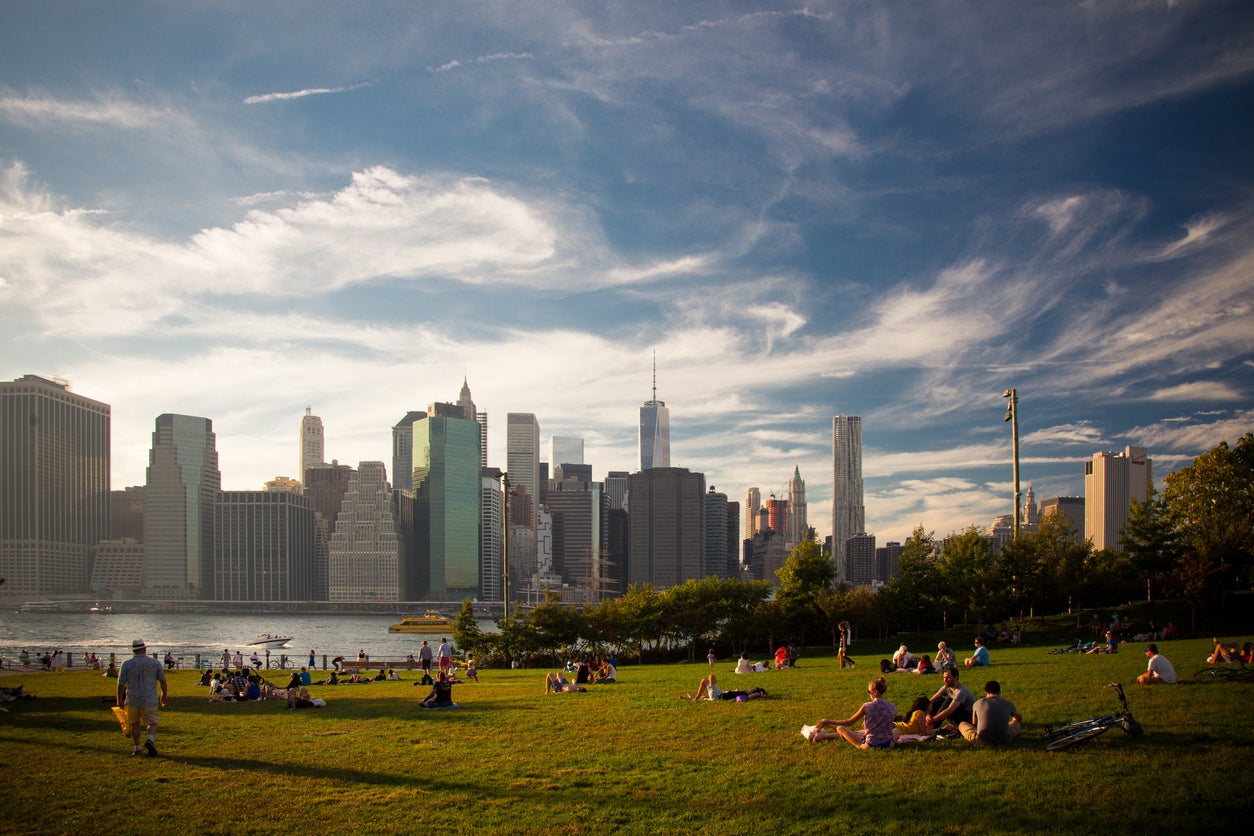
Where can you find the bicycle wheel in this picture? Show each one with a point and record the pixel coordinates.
(1068, 729)
(1083, 736)
(1132, 728)
(1209, 674)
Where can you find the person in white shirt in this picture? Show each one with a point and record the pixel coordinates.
(1160, 671)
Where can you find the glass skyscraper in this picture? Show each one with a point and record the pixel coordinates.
(179, 503)
(655, 430)
(446, 491)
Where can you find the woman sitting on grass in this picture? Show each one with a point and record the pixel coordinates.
(916, 721)
(441, 695)
(877, 716)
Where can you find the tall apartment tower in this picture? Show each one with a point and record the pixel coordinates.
(1111, 482)
(403, 450)
(715, 534)
(54, 485)
(467, 404)
(860, 559)
(798, 520)
(363, 561)
(179, 502)
(312, 446)
(522, 453)
(491, 535)
(446, 502)
(753, 504)
(848, 512)
(666, 544)
(655, 430)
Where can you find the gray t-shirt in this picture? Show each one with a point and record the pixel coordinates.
(140, 674)
(992, 719)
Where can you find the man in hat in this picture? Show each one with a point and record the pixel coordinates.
(1160, 671)
(138, 681)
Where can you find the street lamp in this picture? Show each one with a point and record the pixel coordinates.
(505, 547)
(1012, 415)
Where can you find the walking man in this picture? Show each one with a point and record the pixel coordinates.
(446, 656)
(138, 683)
(424, 656)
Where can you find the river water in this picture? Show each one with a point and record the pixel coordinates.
(189, 634)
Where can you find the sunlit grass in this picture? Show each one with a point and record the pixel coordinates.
(631, 757)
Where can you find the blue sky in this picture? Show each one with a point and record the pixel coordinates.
(893, 210)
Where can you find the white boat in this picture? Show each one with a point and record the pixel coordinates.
(40, 606)
(270, 640)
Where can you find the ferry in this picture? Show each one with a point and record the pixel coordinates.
(270, 640)
(429, 622)
(39, 606)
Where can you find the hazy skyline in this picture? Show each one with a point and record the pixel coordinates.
(891, 210)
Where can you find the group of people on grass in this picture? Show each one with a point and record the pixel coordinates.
(585, 672)
(903, 661)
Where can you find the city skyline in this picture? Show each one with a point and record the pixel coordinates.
(891, 211)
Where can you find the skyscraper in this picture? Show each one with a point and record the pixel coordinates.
(469, 410)
(54, 485)
(446, 502)
(565, 450)
(798, 520)
(1111, 482)
(655, 430)
(312, 448)
(363, 562)
(491, 535)
(579, 510)
(667, 526)
(753, 504)
(715, 534)
(848, 513)
(403, 450)
(264, 546)
(179, 502)
(522, 453)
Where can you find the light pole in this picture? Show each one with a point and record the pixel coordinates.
(1012, 415)
(505, 548)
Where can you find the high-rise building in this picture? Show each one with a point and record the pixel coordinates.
(616, 489)
(522, 453)
(655, 430)
(179, 502)
(1111, 482)
(579, 510)
(798, 520)
(363, 562)
(284, 484)
(446, 492)
(263, 546)
(117, 569)
(312, 446)
(565, 450)
(733, 539)
(886, 559)
(1031, 513)
(753, 504)
(860, 559)
(325, 485)
(126, 514)
(848, 512)
(1072, 510)
(777, 516)
(667, 519)
(54, 485)
(715, 534)
(403, 450)
(470, 412)
(491, 535)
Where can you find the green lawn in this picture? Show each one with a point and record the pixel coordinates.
(633, 757)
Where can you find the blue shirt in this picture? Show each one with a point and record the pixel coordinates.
(980, 657)
(140, 675)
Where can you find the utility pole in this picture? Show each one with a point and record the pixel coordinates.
(1012, 415)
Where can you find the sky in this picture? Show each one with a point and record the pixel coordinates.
(894, 210)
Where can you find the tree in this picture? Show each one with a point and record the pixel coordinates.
(1151, 539)
(466, 632)
(913, 597)
(805, 575)
(966, 570)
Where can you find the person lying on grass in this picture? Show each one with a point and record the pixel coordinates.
(557, 683)
(708, 689)
(877, 715)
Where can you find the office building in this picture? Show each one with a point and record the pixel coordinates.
(1071, 508)
(54, 486)
(655, 430)
(471, 413)
(578, 508)
(616, 489)
(403, 450)
(666, 545)
(860, 559)
(715, 534)
(325, 485)
(117, 569)
(565, 450)
(798, 519)
(733, 539)
(777, 516)
(446, 492)
(753, 504)
(312, 445)
(363, 562)
(886, 560)
(179, 502)
(848, 513)
(263, 546)
(491, 535)
(522, 453)
(126, 514)
(1111, 482)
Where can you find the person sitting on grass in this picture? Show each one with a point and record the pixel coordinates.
(877, 715)
(978, 659)
(945, 657)
(1229, 653)
(903, 659)
(1160, 671)
(299, 698)
(925, 665)
(994, 720)
(441, 695)
(743, 665)
(606, 673)
(557, 683)
(952, 702)
(916, 721)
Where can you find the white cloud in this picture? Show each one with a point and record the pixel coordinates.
(265, 98)
(1205, 390)
(35, 111)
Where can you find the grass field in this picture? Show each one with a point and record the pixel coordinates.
(633, 757)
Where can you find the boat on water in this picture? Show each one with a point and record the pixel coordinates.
(39, 606)
(430, 621)
(270, 640)
(100, 609)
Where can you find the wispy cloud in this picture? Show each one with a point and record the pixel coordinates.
(34, 111)
(482, 59)
(266, 98)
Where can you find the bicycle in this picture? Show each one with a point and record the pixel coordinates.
(1082, 731)
(1227, 673)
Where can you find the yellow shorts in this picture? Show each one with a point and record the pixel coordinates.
(146, 715)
